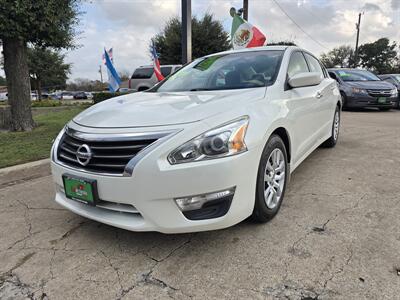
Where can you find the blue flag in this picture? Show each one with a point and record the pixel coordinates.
(113, 78)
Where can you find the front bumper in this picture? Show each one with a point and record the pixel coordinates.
(360, 101)
(155, 183)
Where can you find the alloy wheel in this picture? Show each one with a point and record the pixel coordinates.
(274, 178)
(336, 125)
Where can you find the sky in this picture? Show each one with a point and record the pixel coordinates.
(128, 25)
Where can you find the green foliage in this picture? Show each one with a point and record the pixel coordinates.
(47, 68)
(208, 36)
(2, 81)
(48, 23)
(99, 97)
(379, 56)
(46, 103)
(341, 56)
(22, 147)
(83, 84)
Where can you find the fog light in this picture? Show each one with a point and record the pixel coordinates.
(197, 202)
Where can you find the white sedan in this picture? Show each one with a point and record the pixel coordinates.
(204, 149)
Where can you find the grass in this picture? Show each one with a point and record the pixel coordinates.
(21, 147)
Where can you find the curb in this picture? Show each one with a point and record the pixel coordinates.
(25, 166)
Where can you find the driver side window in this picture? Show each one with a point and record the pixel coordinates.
(297, 64)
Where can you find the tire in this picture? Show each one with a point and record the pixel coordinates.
(275, 148)
(384, 108)
(331, 142)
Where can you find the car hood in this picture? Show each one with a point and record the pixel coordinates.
(145, 109)
(370, 84)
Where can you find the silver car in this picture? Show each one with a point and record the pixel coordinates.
(144, 77)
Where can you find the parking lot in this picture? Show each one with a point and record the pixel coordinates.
(336, 237)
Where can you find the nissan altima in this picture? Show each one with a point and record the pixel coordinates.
(209, 146)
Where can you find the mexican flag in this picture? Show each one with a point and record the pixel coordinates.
(245, 35)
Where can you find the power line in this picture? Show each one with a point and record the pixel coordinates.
(298, 26)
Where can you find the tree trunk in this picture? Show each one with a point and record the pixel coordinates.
(18, 84)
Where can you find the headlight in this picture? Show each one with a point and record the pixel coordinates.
(225, 140)
(359, 91)
(394, 92)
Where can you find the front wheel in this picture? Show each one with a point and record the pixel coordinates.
(331, 142)
(271, 180)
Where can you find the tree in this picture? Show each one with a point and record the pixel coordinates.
(83, 84)
(208, 36)
(338, 57)
(379, 56)
(124, 76)
(47, 69)
(282, 43)
(46, 23)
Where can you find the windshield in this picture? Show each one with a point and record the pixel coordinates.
(357, 75)
(225, 71)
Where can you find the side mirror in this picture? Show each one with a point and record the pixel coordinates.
(305, 79)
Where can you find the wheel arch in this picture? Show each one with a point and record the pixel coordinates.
(284, 135)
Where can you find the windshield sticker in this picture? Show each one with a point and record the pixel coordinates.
(343, 74)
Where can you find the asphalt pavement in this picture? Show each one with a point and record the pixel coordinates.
(336, 237)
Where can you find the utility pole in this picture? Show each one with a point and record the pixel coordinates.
(358, 36)
(186, 31)
(246, 10)
(101, 74)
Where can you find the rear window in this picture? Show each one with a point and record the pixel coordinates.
(142, 73)
(165, 71)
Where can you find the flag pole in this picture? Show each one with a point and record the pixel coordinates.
(101, 74)
(186, 31)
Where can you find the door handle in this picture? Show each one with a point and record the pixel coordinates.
(318, 95)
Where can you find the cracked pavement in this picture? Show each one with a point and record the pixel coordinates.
(336, 237)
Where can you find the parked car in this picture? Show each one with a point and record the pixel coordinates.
(144, 77)
(67, 96)
(206, 148)
(80, 95)
(361, 88)
(393, 79)
(126, 90)
(4, 96)
(89, 95)
(34, 96)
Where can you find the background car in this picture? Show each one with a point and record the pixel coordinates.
(361, 88)
(393, 79)
(126, 90)
(67, 95)
(3, 96)
(144, 78)
(80, 95)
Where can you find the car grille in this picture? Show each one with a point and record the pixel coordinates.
(379, 93)
(108, 156)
